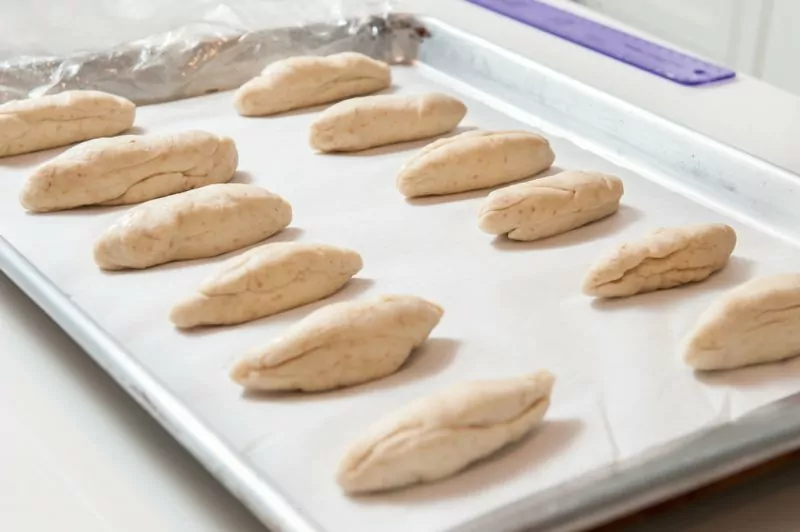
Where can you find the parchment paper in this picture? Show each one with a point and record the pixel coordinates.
(510, 308)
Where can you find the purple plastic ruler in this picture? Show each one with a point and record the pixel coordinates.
(627, 48)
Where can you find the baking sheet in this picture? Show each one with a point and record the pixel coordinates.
(510, 308)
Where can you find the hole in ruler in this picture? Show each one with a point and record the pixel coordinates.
(699, 71)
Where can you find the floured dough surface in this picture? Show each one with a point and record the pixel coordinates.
(204, 222)
(370, 121)
(266, 280)
(664, 258)
(341, 344)
(474, 160)
(60, 119)
(439, 435)
(551, 205)
(130, 169)
(754, 323)
(299, 82)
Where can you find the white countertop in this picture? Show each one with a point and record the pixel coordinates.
(81, 455)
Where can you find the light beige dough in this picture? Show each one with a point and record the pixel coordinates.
(341, 344)
(371, 121)
(60, 119)
(665, 258)
(440, 435)
(204, 222)
(754, 323)
(299, 82)
(130, 169)
(474, 160)
(266, 280)
(551, 205)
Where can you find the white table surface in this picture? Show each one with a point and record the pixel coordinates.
(77, 454)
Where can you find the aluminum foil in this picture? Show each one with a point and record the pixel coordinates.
(212, 55)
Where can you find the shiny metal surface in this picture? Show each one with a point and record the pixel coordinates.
(244, 483)
(197, 59)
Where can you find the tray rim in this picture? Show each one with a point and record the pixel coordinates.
(765, 434)
(258, 494)
(686, 464)
(696, 160)
(768, 431)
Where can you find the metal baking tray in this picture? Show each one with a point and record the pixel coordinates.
(718, 177)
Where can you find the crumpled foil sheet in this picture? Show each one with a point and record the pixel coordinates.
(199, 58)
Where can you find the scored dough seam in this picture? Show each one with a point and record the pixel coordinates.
(304, 271)
(457, 428)
(648, 260)
(324, 346)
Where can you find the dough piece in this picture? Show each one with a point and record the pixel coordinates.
(550, 205)
(200, 223)
(754, 323)
(130, 169)
(341, 345)
(437, 436)
(370, 121)
(71, 116)
(663, 259)
(300, 82)
(267, 280)
(474, 160)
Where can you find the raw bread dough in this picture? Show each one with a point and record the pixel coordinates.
(199, 223)
(550, 205)
(370, 121)
(438, 436)
(266, 280)
(299, 82)
(474, 160)
(663, 259)
(340, 345)
(60, 119)
(130, 169)
(754, 323)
